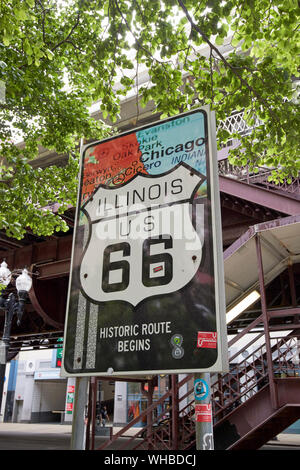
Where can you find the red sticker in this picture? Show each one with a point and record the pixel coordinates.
(158, 268)
(203, 413)
(207, 339)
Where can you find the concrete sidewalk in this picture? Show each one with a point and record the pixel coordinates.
(287, 440)
(53, 428)
(43, 436)
(36, 428)
(24, 436)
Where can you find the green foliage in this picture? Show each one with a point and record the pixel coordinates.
(57, 58)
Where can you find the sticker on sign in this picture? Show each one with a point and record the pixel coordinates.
(207, 339)
(203, 413)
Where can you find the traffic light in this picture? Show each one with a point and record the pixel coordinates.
(59, 353)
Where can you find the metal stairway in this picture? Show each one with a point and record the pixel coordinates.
(257, 400)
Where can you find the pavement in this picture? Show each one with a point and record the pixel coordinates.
(44, 436)
(40, 436)
(292, 440)
(51, 428)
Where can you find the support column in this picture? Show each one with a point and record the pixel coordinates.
(78, 425)
(88, 417)
(175, 412)
(149, 395)
(273, 389)
(94, 384)
(293, 289)
(4, 343)
(203, 412)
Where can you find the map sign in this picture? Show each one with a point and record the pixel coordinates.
(146, 278)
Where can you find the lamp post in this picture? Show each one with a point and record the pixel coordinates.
(11, 305)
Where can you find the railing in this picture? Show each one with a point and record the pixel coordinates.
(174, 427)
(236, 124)
(292, 187)
(167, 428)
(250, 371)
(236, 387)
(170, 419)
(262, 178)
(286, 354)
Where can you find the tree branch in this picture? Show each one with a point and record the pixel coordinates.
(139, 44)
(69, 35)
(224, 60)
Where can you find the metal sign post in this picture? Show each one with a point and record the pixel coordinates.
(78, 423)
(203, 412)
(146, 291)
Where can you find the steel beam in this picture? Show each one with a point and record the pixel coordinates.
(273, 391)
(264, 197)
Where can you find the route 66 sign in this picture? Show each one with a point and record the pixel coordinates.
(134, 231)
(146, 272)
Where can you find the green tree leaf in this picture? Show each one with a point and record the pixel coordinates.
(60, 59)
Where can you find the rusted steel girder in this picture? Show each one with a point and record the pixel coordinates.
(39, 254)
(266, 198)
(49, 262)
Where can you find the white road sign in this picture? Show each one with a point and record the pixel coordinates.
(146, 290)
(138, 236)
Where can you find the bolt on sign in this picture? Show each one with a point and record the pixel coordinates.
(146, 276)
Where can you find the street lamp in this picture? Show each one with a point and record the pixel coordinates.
(5, 274)
(12, 305)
